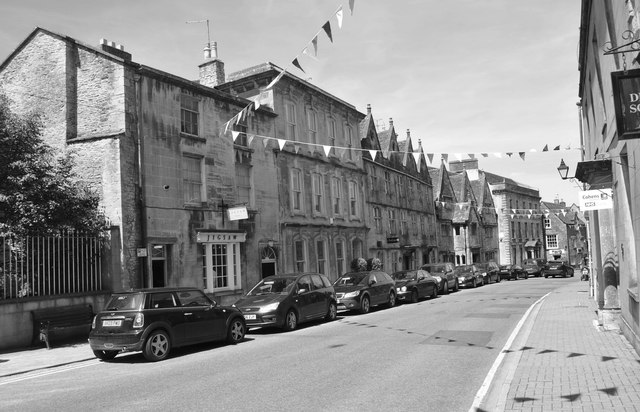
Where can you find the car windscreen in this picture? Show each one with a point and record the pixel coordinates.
(350, 279)
(404, 275)
(464, 269)
(273, 286)
(131, 301)
(434, 269)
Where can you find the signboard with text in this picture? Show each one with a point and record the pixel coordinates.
(595, 199)
(238, 213)
(626, 98)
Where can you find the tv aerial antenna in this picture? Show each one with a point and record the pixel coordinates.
(208, 33)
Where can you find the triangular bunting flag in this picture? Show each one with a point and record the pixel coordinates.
(351, 6)
(296, 148)
(557, 147)
(250, 139)
(315, 45)
(471, 155)
(530, 211)
(546, 148)
(339, 17)
(509, 154)
(522, 154)
(226, 126)
(305, 51)
(265, 142)
(445, 156)
(327, 29)
(430, 157)
(256, 103)
(416, 157)
(485, 154)
(373, 154)
(568, 147)
(235, 135)
(297, 64)
(327, 150)
(514, 211)
(281, 143)
(512, 216)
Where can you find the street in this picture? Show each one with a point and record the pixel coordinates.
(433, 355)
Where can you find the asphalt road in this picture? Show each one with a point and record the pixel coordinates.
(433, 355)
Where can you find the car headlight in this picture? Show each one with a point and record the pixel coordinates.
(438, 279)
(402, 289)
(352, 294)
(270, 307)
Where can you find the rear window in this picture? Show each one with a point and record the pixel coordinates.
(131, 301)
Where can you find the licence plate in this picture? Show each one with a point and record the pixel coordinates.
(250, 317)
(112, 323)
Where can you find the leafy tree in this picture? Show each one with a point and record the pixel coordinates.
(39, 191)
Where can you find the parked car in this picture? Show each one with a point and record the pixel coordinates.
(411, 285)
(469, 275)
(362, 290)
(558, 268)
(284, 301)
(443, 272)
(512, 272)
(489, 272)
(534, 267)
(155, 321)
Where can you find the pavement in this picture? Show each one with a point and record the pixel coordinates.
(559, 360)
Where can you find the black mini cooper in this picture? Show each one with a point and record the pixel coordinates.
(155, 320)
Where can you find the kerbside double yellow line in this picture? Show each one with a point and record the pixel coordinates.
(45, 372)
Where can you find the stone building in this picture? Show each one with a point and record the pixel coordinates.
(321, 182)
(565, 233)
(152, 144)
(467, 239)
(399, 198)
(445, 202)
(610, 159)
(520, 230)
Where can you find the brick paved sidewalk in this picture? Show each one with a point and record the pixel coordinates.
(564, 363)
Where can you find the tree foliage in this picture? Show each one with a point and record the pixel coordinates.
(39, 191)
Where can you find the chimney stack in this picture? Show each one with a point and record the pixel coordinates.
(114, 49)
(368, 108)
(212, 70)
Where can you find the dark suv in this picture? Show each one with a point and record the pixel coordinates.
(156, 320)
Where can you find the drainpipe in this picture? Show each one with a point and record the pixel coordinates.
(142, 262)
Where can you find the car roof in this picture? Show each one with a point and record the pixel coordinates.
(165, 289)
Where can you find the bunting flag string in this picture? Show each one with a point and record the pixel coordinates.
(326, 27)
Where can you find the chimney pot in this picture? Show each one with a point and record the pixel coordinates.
(368, 108)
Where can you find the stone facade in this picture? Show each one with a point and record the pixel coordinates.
(520, 220)
(399, 198)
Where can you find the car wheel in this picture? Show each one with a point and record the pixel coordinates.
(365, 305)
(414, 296)
(332, 314)
(236, 331)
(392, 300)
(105, 355)
(434, 294)
(291, 320)
(157, 346)
(456, 286)
(475, 283)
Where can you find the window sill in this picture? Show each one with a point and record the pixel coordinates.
(193, 137)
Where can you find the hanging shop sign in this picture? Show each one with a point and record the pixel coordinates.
(626, 97)
(238, 213)
(595, 199)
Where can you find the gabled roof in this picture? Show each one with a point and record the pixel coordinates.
(436, 180)
(459, 185)
(569, 217)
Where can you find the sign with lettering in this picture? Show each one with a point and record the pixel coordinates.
(221, 237)
(238, 213)
(595, 199)
(626, 98)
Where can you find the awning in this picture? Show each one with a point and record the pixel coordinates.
(531, 243)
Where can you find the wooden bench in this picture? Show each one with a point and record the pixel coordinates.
(73, 320)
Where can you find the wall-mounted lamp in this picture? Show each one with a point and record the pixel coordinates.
(563, 170)
(270, 243)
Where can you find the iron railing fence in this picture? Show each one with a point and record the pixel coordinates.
(39, 266)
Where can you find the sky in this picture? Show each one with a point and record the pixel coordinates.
(465, 76)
